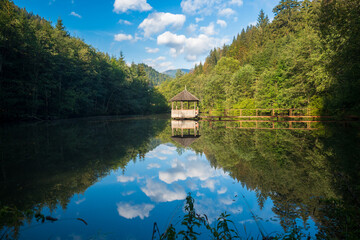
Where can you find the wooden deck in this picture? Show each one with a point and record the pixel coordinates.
(277, 113)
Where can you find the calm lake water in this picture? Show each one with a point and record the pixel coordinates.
(121, 175)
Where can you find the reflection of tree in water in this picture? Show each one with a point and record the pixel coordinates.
(299, 170)
(45, 165)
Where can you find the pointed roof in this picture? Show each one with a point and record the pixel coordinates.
(184, 96)
(185, 141)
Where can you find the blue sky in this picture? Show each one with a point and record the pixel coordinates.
(165, 34)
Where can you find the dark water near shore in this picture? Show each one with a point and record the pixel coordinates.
(122, 175)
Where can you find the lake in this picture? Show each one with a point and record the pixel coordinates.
(113, 178)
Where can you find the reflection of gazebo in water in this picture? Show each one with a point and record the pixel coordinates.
(184, 132)
(188, 105)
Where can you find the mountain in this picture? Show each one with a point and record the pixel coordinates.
(172, 72)
(154, 76)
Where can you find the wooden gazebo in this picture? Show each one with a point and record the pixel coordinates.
(188, 106)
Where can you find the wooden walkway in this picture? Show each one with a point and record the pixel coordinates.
(262, 113)
(265, 125)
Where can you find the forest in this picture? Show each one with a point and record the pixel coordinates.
(47, 74)
(308, 56)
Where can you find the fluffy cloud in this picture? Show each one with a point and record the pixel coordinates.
(122, 37)
(199, 20)
(153, 165)
(192, 47)
(209, 30)
(129, 211)
(124, 5)
(75, 14)
(237, 2)
(157, 22)
(191, 28)
(121, 21)
(159, 192)
(160, 65)
(151, 50)
(222, 23)
(227, 12)
(124, 179)
(198, 6)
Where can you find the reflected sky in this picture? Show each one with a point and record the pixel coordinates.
(125, 204)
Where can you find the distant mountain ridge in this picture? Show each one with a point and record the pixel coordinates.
(172, 72)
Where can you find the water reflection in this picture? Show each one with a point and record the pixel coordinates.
(120, 174)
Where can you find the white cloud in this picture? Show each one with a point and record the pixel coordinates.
(171, 40)
(121, 21)
(160, 66)
(226, 12)
(199, 20)
(122, 37)
(159, 192)
(209, 30)
(129, 211)
(192, 47)
(75, 14)
(153, 165)
(125, 179)
(198, 6)
(237, 2)
(157, 22)
(124, 5)
(151, 50)
(222, 23)
(80, 201)
(191, 28)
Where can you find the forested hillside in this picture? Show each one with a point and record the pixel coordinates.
(45, 73)
(308, 56)
(155, 78)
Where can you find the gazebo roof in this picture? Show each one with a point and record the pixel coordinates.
(185, 141)
(184, 96)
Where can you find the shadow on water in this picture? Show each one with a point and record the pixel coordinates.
(307, 174)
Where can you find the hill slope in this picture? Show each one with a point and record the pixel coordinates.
(172, 72)
(155, 78)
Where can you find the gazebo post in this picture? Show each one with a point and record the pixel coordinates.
(172, 105)
(182, 105)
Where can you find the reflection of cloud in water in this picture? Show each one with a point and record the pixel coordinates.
(129, 211)
(125, 179)
(222, 190)
(247, 221)
(159, 192)
(192, 157)
(213, 212)
(183, 169)
(80, 201)
(128, 193)
(226, 201)
(160, 151)
(210, 184)
(153, 165)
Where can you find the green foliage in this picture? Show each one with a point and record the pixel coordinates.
(45, 73)
(308, 56)
(155, 78)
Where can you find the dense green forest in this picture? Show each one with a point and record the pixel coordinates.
(307, 56)
(155, 78)
(45, 73)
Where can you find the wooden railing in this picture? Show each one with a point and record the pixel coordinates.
(263, 113)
